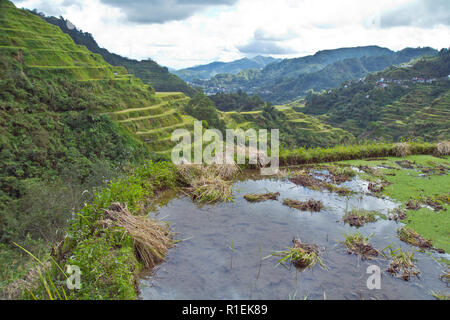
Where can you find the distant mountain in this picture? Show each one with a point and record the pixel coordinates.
(293, 78)
(147, 70)
(406, 102)
(205, 72)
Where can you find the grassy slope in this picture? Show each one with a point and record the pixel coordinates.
(147, 70)
(422, 112)
(47, 52)
(153, 124)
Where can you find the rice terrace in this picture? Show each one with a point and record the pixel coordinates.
(280, 172)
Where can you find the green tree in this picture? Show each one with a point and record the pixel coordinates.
(203, 108)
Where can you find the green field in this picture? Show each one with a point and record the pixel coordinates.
(405, 184)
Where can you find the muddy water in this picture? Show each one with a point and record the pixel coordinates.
(205, 267)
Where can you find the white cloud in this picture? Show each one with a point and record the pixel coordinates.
(295, 27)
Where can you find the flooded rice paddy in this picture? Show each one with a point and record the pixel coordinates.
(226, 252)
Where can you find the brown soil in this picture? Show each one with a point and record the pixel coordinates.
(398, 215)
(411, 237)
(365, 250)
(355, 220)
(375, 188)
(310, 205)
(306, 248)
(262, 197)
(413, 205)
(406, 164)
(339, 179)
(306, 180)
(404, 273)
(438, 170)
(434, 204)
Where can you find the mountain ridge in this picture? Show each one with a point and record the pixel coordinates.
(407, 102)
(207, 71)
(291, 78)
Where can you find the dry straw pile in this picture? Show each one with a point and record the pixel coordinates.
(151, 238)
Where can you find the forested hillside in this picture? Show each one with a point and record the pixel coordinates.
(293, 78)
(147, 70)
(398, 103)
(69, 123)
(239, 101)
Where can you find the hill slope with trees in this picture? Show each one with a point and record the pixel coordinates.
(69, 124)
(411, 102)
(293, 78)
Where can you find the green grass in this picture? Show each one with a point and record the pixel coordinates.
(48, 51)
(407, 184)
(356, 243)
(107, 256)
(359, 217)
(302, 255)
(402, 264)
(349, 152)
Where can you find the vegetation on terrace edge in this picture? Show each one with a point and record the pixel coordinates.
(350, 152)
(410, 102)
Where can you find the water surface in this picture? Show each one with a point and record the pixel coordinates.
(205, 267)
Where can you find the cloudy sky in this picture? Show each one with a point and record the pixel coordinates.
(183, 33)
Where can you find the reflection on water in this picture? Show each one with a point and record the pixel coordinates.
(205, 267)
